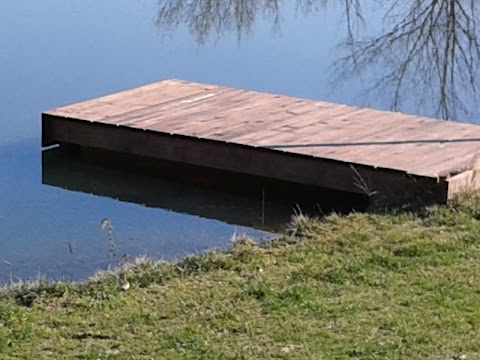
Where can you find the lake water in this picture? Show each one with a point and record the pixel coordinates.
(54, 53)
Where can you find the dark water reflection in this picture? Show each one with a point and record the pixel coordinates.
(414, 56)
(54, 229)
(162, 185)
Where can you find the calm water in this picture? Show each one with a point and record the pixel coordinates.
(53, 53)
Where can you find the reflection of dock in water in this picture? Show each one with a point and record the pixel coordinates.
(168, 186)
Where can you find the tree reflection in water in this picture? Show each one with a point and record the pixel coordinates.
(213, 18)
(426, 54)
(428, 51)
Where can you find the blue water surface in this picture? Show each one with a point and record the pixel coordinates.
(53, 53)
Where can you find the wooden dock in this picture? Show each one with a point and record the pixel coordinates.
(317, 143)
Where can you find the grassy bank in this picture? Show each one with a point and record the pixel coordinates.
(353, 287)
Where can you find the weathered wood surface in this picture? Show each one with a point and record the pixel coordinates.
(267, 135)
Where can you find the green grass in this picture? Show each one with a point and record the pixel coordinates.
(345, 287)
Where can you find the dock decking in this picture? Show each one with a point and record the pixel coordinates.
(312, 142)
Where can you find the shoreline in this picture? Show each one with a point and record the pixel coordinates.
(361, 285)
